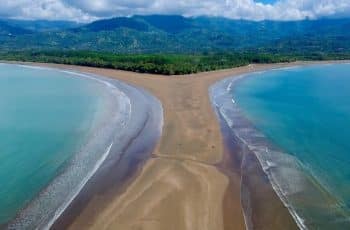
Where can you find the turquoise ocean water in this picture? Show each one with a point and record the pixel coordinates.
(46, 117)
(305, 111)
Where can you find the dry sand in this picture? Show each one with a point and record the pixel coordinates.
(181, 187)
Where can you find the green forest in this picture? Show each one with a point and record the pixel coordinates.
(167, 64)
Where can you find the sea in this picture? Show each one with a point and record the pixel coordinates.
(56, 128)
(297, 122)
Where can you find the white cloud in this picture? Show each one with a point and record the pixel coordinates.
(42, 9)
(84, 10)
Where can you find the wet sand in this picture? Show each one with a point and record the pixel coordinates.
(264, 209)
(191, 181)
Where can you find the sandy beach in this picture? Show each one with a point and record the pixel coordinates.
(193, 179)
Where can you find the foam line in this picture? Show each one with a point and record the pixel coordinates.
(64, 206)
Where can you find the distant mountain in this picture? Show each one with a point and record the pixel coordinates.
(169, 23)
(113, 24)
(177, 34)
(42, 25)
(9, 30)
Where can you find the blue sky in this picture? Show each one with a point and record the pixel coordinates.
(88, 10)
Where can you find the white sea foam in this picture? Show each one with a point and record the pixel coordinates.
(229, 87)
(63, 207)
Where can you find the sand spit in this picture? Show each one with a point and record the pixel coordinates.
(181, 186)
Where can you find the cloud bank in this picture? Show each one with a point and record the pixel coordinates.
(88, 10)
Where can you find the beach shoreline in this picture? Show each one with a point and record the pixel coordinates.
(262, 207)
(138, 113)
(181, 182)
(276, 165)
(117, 172)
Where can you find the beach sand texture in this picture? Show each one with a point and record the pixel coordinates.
(182, 186)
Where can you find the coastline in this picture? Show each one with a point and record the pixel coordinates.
(116, 173)
(182, 183)
(138, 112)
(309, 203)
(263, 207)
(273, 165)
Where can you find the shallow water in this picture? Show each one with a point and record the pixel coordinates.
(304, 113)
(48, 119)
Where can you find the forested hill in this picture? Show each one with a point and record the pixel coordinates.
(7, 30)
(177, 34)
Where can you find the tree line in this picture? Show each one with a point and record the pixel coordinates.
(167, 64)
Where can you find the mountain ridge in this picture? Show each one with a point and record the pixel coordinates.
(178, 34)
